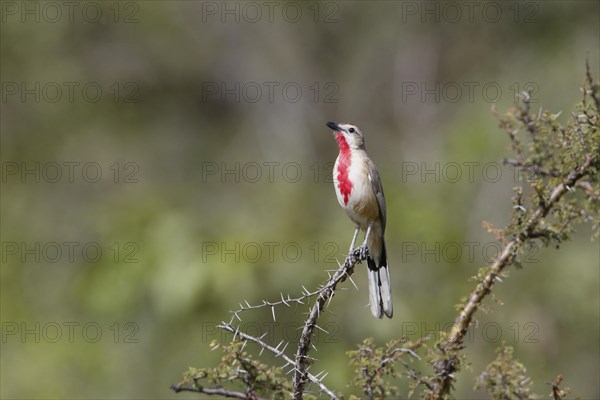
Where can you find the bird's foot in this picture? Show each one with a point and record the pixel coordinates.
(363, 251)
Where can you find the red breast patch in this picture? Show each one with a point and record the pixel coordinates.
(344, 160)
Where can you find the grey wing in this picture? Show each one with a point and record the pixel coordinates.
(378, 190)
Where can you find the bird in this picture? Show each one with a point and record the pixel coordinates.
(360, 193)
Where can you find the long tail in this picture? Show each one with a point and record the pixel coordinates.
(380, 291)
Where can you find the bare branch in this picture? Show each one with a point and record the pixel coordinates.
(325, 292)
(278, 353)
(213, 392)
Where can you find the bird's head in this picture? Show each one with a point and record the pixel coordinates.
(352, 136)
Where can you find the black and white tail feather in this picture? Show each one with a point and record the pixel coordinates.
(380, 292)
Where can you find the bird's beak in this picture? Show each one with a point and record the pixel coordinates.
(334, 126)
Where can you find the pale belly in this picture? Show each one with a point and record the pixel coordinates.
(359, 203)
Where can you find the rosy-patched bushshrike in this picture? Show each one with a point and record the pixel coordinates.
(360, 193)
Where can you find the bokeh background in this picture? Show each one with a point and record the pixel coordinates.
(205, 121)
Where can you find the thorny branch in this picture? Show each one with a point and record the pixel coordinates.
(302, 361)
(452, 344)
(300, 364)
(446, 367)
(326, 292)
(280, 353)
(393, 357)
(218, 391)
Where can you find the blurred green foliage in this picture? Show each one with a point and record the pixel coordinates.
(505, 377)
(238, 367)
(375, 367)
(156, 271)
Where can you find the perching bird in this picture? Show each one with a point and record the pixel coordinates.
(359, 192)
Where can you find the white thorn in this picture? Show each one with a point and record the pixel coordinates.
(329, 301)
(321, 329)
(351, 280)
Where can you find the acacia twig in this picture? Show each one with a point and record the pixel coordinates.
(279, 353)
(448, 365)
(299, 364)
(393, 357)
(325, 293)
(214, 392)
